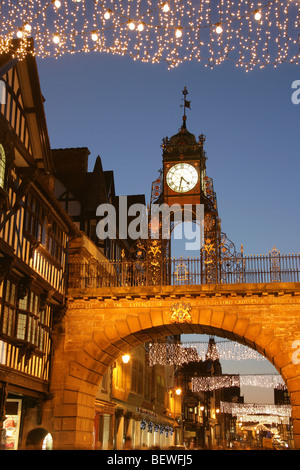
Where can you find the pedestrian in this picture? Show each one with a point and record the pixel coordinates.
(127, 443)
(98, 445)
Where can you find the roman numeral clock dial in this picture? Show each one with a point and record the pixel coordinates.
(182, 177)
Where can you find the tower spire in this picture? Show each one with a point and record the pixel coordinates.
(186, 104)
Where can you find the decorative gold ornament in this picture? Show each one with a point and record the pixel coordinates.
(154, 249)
(180, 313)
(181, 272)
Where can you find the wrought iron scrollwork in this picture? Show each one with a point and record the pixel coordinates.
(145, 264)
(231, 262)
(275, 265)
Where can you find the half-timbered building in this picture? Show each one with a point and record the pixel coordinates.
(34, 238)
(80, 192)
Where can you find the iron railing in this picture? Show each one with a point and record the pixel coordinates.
(190, 271)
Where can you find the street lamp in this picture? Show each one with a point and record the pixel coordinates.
(178, 391)
(126, 358)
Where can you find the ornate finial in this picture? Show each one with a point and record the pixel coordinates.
(202, 139)
(186, 104)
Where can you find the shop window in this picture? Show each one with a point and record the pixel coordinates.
(2, 166)
(11, 425)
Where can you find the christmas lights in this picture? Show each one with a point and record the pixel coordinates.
(182, 353)
(200, 384)
(248, 32)
(264, 419)
(240, 409)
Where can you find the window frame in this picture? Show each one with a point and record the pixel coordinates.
(55, 241)
(9, 308)
(35, 219)
(43, 228)
(27, 314)
(3, 164)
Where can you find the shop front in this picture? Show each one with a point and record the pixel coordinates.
(104, 425)
(11, 424)
(22, 413)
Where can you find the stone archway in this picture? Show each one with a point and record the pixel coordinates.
(97, 330)
(35, 438)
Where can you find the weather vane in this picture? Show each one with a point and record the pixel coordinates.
(186, 104)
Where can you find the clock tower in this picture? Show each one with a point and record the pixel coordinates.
(184, 182)
(183, 185)
(183, 165)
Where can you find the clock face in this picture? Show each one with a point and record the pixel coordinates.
(182, 177)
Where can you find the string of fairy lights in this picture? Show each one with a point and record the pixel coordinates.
(264, 418)
(248, 32)
(205, 384)
(173, 353)
(245, 409)
(180, 353)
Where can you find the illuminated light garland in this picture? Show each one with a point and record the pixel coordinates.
(264, 419)
(248, 32)
(178, 354)
(203, 384)
(241, 409)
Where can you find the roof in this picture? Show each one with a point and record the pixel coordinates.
(90, 188)
(183, 143)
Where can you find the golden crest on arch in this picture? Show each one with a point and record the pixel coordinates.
(181, 313)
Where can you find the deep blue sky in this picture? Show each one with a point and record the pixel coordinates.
(121, 110)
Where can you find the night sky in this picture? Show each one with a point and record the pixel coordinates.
(121, 110)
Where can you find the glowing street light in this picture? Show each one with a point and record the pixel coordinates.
(126, 358)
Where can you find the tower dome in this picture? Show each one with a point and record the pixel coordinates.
(182, 145)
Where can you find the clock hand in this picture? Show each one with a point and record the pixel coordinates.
(185, 180)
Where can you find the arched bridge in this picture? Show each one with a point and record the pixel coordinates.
(104, 320)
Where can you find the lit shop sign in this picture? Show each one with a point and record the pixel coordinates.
(146, 412)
